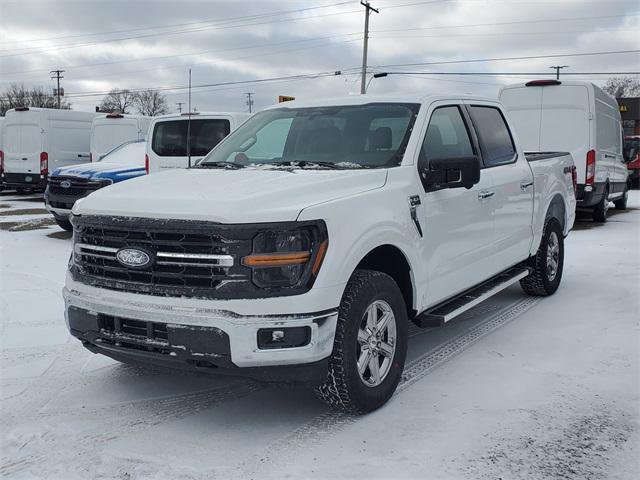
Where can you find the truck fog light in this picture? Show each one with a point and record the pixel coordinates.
(270, 338)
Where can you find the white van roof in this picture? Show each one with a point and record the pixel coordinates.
(598, 92)
(51, 113)
(185, 116)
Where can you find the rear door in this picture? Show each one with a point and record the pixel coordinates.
(512, 193)
(566, 123)
(458, 223)
(22, 145)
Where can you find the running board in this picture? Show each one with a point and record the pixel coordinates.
(438, 315)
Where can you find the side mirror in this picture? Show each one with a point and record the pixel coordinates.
(629, 154)
(454, 172)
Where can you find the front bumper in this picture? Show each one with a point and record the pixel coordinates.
(190, 321)
(24, 180)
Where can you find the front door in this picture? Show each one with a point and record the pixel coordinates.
(458, 223)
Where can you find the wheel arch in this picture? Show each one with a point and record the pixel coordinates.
(391, 260)
(558, 210)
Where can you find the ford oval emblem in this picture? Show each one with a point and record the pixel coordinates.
(65, 184)
(133, 257)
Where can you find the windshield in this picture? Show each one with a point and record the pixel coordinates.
(351, 136)
(130, 153)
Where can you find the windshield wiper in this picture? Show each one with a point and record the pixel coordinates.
(230, 165)
(307, 164)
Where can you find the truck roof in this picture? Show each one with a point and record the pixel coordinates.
(378, 98)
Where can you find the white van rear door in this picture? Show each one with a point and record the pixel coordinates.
(22, 144)
(523, 106)
(108, 136)
(565, 123)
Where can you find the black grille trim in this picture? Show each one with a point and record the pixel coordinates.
(173, 236)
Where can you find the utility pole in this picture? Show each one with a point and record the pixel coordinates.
(189, 125)
(57, 74)
(557, 68)
(179, 104)
(249, 100)
(367, 10)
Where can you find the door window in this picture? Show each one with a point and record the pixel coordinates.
(447, 135)
(495, 138)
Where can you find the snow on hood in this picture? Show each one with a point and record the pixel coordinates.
(228, 196)
(97, 169)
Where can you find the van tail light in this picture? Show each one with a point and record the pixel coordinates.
(44, 163)
(1, 162)
(90, 157)
(146, 163)
(591, 167)
(574, 178)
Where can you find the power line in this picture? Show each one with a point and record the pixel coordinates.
(216, 21)
(176, 32)
(528, 57)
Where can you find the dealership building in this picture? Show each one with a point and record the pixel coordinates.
(630, 113)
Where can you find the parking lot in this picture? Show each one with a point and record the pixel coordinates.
(518, 387)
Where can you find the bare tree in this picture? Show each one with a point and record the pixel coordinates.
(120, 101)
(17, 95)
(622, 87)
(151, 103)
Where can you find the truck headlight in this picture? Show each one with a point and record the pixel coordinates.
(287, 258)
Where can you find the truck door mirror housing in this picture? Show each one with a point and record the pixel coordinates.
(629, 154)
(452, 172)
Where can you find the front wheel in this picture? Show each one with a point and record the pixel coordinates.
(548, 262)
(370, 344)
(63, 223)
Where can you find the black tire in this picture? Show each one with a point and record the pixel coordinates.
(621, 203)
(600, 210)
(63, 223)
(544, 281)
(344, 388)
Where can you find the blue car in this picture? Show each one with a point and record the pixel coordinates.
(67, 184)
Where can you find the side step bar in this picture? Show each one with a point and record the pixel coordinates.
(438, 315)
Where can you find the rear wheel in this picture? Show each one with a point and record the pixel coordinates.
(548, 262)
(600, 210)
(370, 344)
(621, 203)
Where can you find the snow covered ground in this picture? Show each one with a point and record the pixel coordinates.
(518, 388)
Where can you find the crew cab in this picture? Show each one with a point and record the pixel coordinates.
(68, 184)
(301, 246)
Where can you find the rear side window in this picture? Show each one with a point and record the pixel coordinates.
(447, 135)
(170, 138)
(495, 138)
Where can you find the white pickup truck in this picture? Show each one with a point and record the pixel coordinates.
(302, 245)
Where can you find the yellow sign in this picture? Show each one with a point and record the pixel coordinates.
(285, 98)
(623, 108)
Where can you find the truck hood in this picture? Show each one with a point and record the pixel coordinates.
(228, 196)
(96, 170)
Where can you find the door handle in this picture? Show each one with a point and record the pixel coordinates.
(485, 194)
(525, 185)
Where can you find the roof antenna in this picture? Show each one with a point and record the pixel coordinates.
(189, 125)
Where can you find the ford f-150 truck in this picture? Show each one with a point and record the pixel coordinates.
(301, 246)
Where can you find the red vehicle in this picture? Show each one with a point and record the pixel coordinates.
(633, 142)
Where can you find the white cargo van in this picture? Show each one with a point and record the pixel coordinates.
(37, 140)
(113, 129)
(1, 151)
(581, 118)
(167, 143)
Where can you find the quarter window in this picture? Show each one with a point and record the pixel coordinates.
(447, 135)
(495, 138)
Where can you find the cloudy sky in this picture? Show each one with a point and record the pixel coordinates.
(141, 44)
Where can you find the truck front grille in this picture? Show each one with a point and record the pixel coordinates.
(76, 186)
(187, 258)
